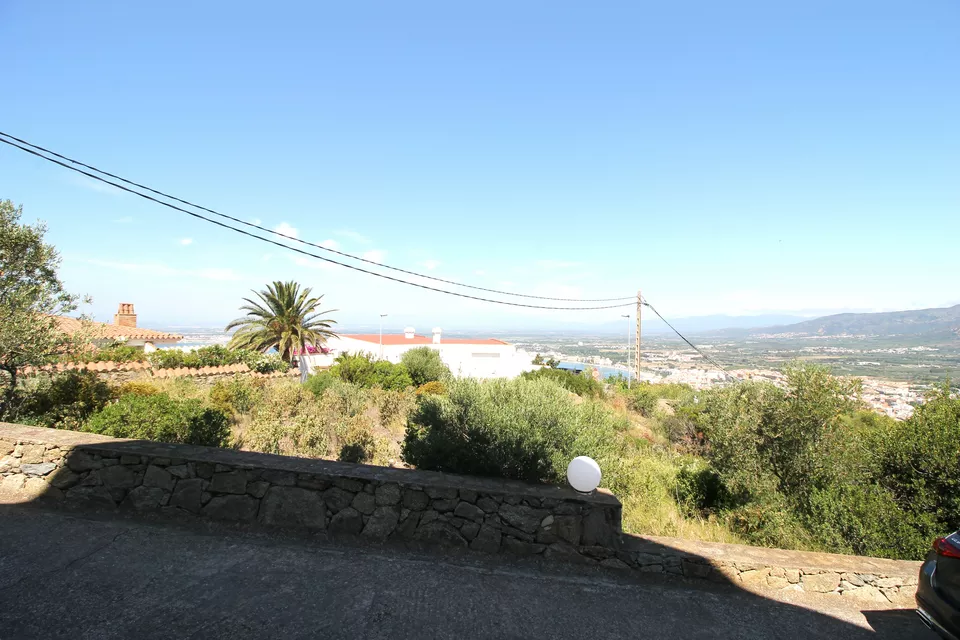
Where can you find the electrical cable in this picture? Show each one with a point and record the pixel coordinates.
(644, 302)
(301, 251)
(312, 244)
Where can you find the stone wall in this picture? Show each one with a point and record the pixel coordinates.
(402, 506)
(338, 499)
(760, 569)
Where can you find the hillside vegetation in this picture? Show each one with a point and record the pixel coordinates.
(800, 467)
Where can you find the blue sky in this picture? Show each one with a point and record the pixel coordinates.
(727, 158)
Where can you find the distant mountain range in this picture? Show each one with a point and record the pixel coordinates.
(916, 322)
(934, 323)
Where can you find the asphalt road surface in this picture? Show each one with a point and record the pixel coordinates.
(70, 576)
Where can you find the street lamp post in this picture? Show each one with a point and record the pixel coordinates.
(627, 316)
(382, 316)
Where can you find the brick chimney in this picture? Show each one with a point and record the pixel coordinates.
(125, 317)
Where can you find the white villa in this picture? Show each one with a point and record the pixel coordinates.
(471, 357)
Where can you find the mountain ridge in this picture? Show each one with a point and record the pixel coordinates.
(943, 321)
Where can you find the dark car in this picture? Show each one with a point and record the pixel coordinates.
(938, 589)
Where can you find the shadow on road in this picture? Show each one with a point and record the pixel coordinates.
(115, 574)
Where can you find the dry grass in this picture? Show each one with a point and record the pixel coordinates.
(650, 505)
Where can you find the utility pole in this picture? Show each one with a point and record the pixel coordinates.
(636, 361)
(627, 316)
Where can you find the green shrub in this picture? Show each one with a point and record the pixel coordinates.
(393, 407)
(865, 519)
(358, 443)
(522, 429)
(168, 358)
(137, 388)
(64, 401)
(320, 382)
(237, 395)
(433, 388)
(290, 420)
(117, 352)
(424, 365)
(684, 433)
(216, 356)
(579, 384)
(389, 376)
(264, 362)
(642, 399)
(770, 522)
(700, 490)
(161, 418)
(361, 369)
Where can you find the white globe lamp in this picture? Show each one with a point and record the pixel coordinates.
(583, 474)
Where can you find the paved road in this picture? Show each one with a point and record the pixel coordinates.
(84, 577)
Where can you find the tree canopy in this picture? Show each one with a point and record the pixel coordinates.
(284, 317)
(31, 294)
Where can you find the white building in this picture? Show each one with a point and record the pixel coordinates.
(475, 358)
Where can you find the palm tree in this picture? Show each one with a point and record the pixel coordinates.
(285, 317)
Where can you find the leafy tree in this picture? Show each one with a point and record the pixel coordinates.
(919, 464)
(763, 438)
(553, 363)
(424, 365)
(31, 294)
(285, 318)
(537, 359)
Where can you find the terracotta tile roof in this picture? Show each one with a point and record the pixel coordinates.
(104, 331)
(98, 367)
(394, 339)
(180, 372)
(184, 372)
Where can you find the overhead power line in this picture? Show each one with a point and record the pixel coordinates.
(305, 242)
(644, 302)
(301, 251)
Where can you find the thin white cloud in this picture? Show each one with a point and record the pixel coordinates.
(256, 221)
(430, 265)
(287, 230)
(124, 220)
(160, 270)
(330, 244)
(186, 241)
(480, 272)
(557, 264)
(353, 235)
(375, 255)
(266, 257)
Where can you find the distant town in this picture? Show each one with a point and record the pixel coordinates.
(895, 378)
(887, 390)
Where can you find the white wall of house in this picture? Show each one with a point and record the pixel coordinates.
(474, 360)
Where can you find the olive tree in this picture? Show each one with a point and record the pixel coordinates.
(31, 294)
